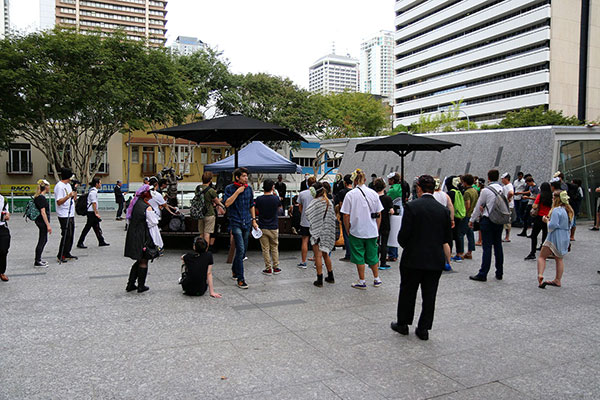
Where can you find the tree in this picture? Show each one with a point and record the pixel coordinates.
(538, 116)
(68, 94)
(352, 114)
(445, 121)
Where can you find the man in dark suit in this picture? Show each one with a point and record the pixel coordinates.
(119, 199)
(426, 227)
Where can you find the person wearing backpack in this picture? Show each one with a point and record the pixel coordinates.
(486, 211)
(460, 213)
(202, 206)
(93, 216)
(42, 221)
(65, 198)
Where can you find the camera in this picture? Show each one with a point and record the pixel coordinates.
(75, 183)
(375, 215)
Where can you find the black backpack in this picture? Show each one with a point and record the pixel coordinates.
(81, 205)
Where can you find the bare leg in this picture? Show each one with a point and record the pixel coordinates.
(447, 252)
(318, 261)
(375, 269)
(327, 261)
(361, 271)
(560, 268)
(573, 232)
(541, 263)
(304, 248)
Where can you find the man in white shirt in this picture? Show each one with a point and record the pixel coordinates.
(361, 211)
(520, 188)
(491, 233)
(93, 216)
(65, 198)
(509, 192)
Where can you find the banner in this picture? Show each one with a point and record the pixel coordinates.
(20, 190)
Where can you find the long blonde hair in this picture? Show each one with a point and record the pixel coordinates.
(557, 202)
(41, 186)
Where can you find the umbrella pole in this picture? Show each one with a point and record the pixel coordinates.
(236, 158)
(402, 176)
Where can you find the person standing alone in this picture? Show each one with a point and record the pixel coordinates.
(426, 229)
(93, 216)
(42, 221)
(65, 198)
(119, 199)
(268, 222)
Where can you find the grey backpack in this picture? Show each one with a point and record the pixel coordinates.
(500, 213)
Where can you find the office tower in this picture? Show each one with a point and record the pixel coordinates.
(377, 65)
(333, 74)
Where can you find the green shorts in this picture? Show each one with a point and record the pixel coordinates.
(363, 251)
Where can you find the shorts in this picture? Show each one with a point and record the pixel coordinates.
(207, 224)
(304, 231)
(363, 251)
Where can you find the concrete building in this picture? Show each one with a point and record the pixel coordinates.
(377, 65)
(333, 74)
(143, 20)
(496, 56)
(186, 45)
(5, 25)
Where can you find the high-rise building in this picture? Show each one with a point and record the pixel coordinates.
(5, 18)
(333, 74)
(377, 65)
(186, 45)
(143, 20)
(496, 56)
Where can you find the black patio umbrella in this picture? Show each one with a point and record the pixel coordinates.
(234, 129)
(404, 144)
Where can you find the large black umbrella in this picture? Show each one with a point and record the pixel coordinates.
(404, 144)
(234, 129)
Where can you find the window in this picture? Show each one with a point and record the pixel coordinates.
(185, 157)
(135, 154)
(216, 155)
(103, 168)
(334, 162)
(204, 155)
(19, 159)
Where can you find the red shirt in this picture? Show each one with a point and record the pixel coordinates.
(542, 209)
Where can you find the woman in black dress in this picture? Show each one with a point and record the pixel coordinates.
(197, 270)
(138, 239)
(42, 221)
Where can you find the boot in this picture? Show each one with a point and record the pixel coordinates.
(142, 273)
(329, 278)
(319, 281)
(132, 277)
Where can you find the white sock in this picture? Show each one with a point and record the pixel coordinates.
(361, 281)
(378, 279)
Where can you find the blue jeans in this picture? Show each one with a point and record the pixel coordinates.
(240, 237)
(463, 229)
(393, 252)
(491, 236)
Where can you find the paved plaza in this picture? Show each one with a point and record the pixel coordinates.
(72, 332)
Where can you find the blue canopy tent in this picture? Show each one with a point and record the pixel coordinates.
(257, 158)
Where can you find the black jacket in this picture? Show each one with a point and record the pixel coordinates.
(426, 226)
(138, 234)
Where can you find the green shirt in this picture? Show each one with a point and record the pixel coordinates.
(472, 196)
(209, 196)
(395, 191)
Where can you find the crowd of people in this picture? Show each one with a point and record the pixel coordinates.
(430, 222)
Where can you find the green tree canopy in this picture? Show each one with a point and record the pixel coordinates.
(68, 93)
(538, 116)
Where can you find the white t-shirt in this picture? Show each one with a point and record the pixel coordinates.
(359, 208)
(520, 186)
(2, 208)
(507, 189)
(304, 198)
(156, 201)
(92, 198)
(441, 197)
(66, 209)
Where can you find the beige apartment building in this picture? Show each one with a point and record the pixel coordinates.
(142, 20)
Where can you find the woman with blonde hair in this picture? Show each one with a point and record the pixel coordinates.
(559, 222)
(42, 221)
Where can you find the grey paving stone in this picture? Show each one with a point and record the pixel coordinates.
(494, 390)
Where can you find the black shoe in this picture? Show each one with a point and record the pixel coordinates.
(133, 273)
(319, 281)
(498, 277)
(104, 244)
(329, 278)
(345, 259)
(422, 334)
(71, 257)
(523, 234)
(478, 278)
(400, 328)
(62, 259)
(141, 275)
(593, 228)
(81, 246)
(530, 257)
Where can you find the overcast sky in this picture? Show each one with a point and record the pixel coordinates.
(281, 37)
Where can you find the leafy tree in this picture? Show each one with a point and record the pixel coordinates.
(446, 121)
(67, 93)
(352, 114)
(538, 116)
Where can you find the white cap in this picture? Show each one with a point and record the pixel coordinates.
(504, 175)
(391, 175)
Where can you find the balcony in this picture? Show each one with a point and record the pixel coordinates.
(23, 168)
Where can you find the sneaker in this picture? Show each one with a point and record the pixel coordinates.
(468, 256)
(233, 277)
(245, 258)
(530, 257)
(377, 283)
(71, 257)
(345, 259)
(81, 246)
(62, 259)
(276, 271)
(384, 266)
(358, 285)
(456, 258)
(40, 264)
(242, 285)
(301, 265)
(593, 228)
(104, 244)
(268, 271)
(447, 267)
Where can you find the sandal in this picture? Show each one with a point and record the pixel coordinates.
(551, 283)
(541, 283)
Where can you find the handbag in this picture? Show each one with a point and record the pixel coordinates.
(150, 251)
(534, 211)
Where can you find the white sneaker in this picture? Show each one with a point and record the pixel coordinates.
(245, 258)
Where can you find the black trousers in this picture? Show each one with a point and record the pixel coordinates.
(42, 239)
(93, 222)
(410, 280)
(383, 239)
(67, 232)
(120, 209)
(4, 246)
(538, 225)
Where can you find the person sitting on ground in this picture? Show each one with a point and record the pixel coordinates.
(196, 271)
(557, 244)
